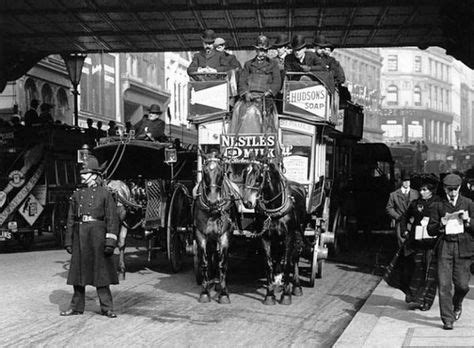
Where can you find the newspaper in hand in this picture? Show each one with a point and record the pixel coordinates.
(454, 222)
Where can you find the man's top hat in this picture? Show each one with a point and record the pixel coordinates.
(262, 43)
(406, 177)
(208, 36)
(298, 42)
(155, 109)
(281, 40)
(91, 165)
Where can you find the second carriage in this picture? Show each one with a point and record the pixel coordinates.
(315, 139)
(152, 182)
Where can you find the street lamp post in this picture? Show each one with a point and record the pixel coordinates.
(74, 63)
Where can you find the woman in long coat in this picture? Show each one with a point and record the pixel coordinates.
(413, 270)
(91, 237)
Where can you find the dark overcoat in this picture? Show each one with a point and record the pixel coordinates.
(397, 203)
(310, 59)
(214, 59)
(89, 265)
(465, 240)
(260, 76)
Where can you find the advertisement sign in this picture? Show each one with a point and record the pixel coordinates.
(296, 168)
(208, 98)
(306, 98)
(6, 140)
(31, 209)
(243, 146)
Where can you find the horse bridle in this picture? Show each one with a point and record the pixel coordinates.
(262, 202)
(204, 199)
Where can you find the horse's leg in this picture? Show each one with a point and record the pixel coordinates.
(223, 253)
(201, 240)
(121, 246)
(270, 295)
(287, 268)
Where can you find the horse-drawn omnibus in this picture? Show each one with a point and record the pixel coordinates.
(307, 155)
(38, 174)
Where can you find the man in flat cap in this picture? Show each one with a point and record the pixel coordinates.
(450, 220)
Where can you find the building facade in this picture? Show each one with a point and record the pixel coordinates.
(362, 67)
(427, 96)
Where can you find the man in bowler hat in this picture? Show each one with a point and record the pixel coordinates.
(91, 237)
(302, 60)
(153, 126)
(455, 250)
(208, 61)
(398, 203)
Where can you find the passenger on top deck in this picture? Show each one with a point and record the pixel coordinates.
(232, 65)
(302, 60)
(152, 127)
(324, 48)
(259, 82)
(207, 61)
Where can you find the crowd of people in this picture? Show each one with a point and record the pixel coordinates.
(436, 243)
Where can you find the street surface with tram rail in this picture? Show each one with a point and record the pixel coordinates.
(159, 308)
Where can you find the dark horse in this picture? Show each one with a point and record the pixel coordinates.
(280, 208)
(214, 210)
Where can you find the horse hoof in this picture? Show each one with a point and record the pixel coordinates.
(269, 301)
(224, 299)
(297, 291)
(285, 300)
(204, 298)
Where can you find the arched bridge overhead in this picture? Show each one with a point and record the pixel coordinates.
(33, 29)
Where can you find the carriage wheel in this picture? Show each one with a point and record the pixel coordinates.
(314, 263)
(177, 224)
(197, 267)
(58, 225)
(338, 230)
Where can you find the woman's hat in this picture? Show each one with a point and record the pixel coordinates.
(429, 180)
(298, 42)
(262, 43)
(281, 40)
(208, 36)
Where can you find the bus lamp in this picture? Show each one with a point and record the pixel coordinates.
(171, 156)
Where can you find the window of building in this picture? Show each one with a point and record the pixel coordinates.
(392, 95)
(441, 68)
(435, 102)
(392, 62)
(447, 100)
(417, 63)
(47, 94)
(417, 96)
(63, 106)
(30, 92)
(441, 99)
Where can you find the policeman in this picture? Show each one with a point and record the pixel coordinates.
(456, 248)
(91, 237)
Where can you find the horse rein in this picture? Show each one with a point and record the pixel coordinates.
(220, 205)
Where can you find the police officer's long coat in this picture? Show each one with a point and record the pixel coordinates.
(89, 265)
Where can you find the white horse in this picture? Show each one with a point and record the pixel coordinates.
(123, 196)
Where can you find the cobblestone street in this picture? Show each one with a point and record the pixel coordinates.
(156, 308)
